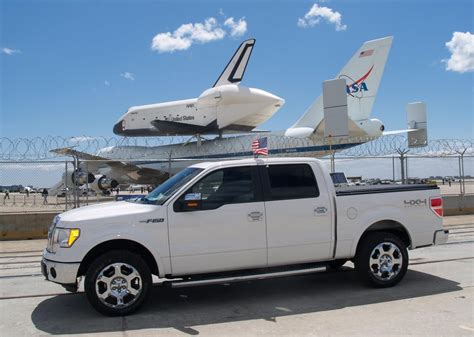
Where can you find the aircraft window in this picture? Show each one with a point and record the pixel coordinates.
(227, 186)
(294, 181)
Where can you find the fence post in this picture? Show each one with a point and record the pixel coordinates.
(393, 168)
(169, 165)
(402, 154)
(406, 169)
(65, 188)
(87, 184)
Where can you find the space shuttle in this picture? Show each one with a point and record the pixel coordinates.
(227, 107)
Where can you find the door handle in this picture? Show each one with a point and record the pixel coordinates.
(322, 210)
(255, 216)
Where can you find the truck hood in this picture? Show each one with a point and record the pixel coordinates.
(106, 211)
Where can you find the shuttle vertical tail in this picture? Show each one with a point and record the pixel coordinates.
(363, 74)
(235, 69)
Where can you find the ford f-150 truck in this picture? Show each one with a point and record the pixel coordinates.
(237, 220)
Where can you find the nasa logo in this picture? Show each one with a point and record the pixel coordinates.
(358, 86)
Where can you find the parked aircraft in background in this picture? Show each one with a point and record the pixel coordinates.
(151, 165)
(227, 107)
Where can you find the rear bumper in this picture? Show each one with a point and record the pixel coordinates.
(60, 272)
(441, 237)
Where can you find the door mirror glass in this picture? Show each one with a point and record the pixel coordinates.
(191, 202)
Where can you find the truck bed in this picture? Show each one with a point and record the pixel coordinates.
(357, 190)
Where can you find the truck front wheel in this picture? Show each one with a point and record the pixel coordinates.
(117, 283)
(381, 259)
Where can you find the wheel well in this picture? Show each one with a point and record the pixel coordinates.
(122, 244)
(388, 226)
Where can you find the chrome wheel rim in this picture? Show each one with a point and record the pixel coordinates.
(386, 261)
(118, 285)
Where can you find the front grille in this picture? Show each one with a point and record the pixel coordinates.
(49, 247)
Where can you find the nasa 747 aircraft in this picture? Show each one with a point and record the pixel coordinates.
(362, 73)
(227, 107)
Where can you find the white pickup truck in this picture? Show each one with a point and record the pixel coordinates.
(237, 220)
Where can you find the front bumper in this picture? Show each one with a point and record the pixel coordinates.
(60, 272)
(441, 237)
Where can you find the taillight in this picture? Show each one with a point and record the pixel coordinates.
(436, 205)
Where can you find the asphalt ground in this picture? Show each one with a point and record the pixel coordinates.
(436, 298)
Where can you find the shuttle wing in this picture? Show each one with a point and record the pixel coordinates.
(235, 69)
(176, 128)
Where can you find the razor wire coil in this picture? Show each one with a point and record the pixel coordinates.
(39, 148)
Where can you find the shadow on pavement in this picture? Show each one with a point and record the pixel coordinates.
(185, 308)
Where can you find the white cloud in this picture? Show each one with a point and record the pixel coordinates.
(107, 83)
(238, 28)
(82, 139)
(10, 51)
(461, 47)
(316, 13)
(187, 34)
(128, 76)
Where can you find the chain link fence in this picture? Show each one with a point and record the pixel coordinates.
(28, 167)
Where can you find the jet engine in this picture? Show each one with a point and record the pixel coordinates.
(80, 177)
(102, 183)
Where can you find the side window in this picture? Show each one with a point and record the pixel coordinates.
(232, 185)
(294, 181)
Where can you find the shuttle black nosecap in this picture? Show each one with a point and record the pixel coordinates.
(118, 128)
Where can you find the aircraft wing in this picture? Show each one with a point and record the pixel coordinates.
(94, 162)
(235, 69)
(117, 168)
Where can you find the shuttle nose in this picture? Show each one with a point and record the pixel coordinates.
(119, 128)
(275, 100)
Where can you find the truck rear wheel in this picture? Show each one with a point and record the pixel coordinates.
(381, 260)
(117, 283)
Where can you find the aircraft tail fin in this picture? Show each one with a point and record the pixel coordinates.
(363, 74)
(235, 69)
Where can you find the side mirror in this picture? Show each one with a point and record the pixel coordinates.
(191, 202)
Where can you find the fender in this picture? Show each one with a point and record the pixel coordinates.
(382, 214)
(163, 266)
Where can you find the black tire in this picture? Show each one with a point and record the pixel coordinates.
(375, 265)
(336, 264)
(113, 268)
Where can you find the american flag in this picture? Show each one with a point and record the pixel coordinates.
(259, 146)
(367, 52)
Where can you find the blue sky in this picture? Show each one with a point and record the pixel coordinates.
(64, 64)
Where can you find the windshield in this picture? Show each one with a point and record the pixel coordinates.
(160, 194)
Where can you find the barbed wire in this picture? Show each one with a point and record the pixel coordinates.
(39, 148)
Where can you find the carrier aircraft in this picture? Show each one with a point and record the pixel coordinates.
(363, 74)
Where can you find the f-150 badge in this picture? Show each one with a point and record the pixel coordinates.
(152, 220)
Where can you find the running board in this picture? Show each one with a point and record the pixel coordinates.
(231, 279)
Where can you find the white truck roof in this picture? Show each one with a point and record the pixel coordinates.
(250, 161)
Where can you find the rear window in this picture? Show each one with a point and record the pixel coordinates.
(294, 181)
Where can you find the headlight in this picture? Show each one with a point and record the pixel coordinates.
(66, 237)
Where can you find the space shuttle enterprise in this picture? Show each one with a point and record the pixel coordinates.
(227, 107)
